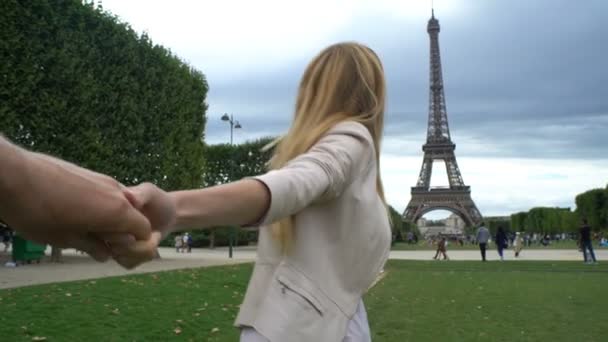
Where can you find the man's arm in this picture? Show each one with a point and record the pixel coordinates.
(55, 202)
(11, 168)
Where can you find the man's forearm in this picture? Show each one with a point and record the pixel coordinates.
(73, 168)
(12, 168)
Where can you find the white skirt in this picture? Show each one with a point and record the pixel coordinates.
(357, 330)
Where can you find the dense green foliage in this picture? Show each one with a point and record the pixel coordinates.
(545, 221)
(492, 223)
(226, 163)
(416, 301)
(593, 205)
(79, 84)
(399, 227)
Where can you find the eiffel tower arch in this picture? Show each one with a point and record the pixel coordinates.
(439, 146)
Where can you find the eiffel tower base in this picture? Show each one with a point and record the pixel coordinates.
(458, 201)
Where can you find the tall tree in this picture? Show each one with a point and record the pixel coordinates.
(79, 84)
(592, 205)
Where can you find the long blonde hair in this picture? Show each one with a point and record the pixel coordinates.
(344, 82)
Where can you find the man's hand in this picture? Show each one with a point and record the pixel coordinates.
(55, 202)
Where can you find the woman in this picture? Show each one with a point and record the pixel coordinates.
(518, 244)
(442, 248)
(325, 232)
(501, 242)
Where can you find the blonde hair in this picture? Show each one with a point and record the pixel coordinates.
(344, 82)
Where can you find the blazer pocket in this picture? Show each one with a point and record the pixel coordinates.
(294, 310)
(304, 296)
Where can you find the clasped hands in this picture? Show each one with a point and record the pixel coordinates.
(159, 210)
(58, 203)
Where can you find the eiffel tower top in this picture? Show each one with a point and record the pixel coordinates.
(433, 24)
(438, 130)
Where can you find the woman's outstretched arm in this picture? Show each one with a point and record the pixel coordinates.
(240, 203)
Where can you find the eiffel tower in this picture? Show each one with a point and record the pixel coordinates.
(439, 146)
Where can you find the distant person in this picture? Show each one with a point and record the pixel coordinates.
(188, 242)
(527, 240)
(586, 244)
(178, 243)
(410, 237)
(501, 242)
(6, 234)
(184, 243)
(545, 241)
(482, 237)
(442, 247)
(518, 244)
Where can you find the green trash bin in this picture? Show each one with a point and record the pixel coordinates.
(25, 251)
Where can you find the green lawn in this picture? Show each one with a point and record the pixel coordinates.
(416, 301)
(423, 245)
(493, 301)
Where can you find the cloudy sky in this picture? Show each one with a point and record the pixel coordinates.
(526, 82)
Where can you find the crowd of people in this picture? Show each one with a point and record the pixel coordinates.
(183, 243)
(504, 239)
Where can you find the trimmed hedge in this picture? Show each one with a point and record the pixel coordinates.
(79, 84)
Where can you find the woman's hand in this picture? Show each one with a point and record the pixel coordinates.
(160, 210)
(156, 204)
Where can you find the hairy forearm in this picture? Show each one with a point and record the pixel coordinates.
(99, 178)
(12, 168)
(15, 161)
(239, 203)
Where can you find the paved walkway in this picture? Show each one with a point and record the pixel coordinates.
(79, 267)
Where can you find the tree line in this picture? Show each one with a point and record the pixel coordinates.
(592, 205)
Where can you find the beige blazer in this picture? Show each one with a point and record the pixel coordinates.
(342, 240)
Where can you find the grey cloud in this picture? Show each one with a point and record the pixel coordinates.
(526, 78)
(563, 138)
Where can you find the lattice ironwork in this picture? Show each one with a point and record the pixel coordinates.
(439, 146)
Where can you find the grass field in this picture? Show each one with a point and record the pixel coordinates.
(423, 245)
(416, 301)
(494, 301)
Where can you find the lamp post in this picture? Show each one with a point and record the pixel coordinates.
(233, 125)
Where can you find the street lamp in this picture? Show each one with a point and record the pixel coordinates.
(233, 125)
